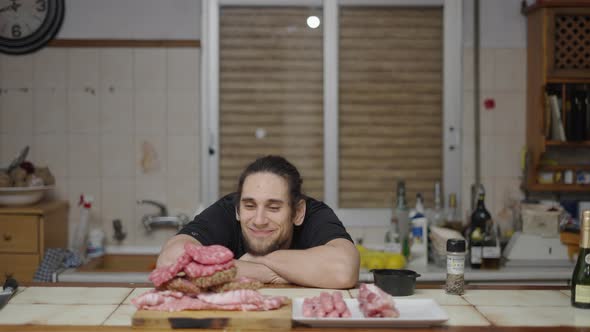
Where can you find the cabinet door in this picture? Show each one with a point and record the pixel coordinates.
(568, 32)
(21, 267)
(19, 234)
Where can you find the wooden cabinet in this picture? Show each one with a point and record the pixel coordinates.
(25, 233)
(558, 78)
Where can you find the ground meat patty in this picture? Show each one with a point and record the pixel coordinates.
(238, 284)
(197, 285)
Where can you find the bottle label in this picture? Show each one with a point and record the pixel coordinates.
(455, 265)
(582, 293)
(491, 252)
(587, 258)
(476, 255)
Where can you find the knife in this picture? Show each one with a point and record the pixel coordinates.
(10, 287)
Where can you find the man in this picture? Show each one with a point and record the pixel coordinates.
(276, 234)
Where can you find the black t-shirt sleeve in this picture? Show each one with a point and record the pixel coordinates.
(215, 225)
(321, 225)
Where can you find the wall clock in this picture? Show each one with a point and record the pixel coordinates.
(27, 25)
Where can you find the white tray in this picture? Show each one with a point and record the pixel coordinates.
(413, 313)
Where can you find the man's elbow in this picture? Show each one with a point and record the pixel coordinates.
(349, 275)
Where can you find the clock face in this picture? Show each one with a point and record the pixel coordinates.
(21, 18)
(26, 25)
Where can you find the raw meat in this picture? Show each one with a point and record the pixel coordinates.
(326, 305)
(374, 302)
(244, 300)
(208, 255)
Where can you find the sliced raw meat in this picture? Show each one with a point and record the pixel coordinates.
(165, 273)
(374, 302)
(240, 296)
(208, 255)
(171, 301)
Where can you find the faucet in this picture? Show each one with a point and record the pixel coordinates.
(162, 207)
(119, 235)
(162, 219)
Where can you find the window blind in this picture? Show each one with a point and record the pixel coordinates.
(271, 92)
(390, 104)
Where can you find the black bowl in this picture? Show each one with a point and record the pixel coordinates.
(395, 282)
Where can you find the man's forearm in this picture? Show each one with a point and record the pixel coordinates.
(259, 272)
(327, 266)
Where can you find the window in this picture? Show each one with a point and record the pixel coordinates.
(368, 97)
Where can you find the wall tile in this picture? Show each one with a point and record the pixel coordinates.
(486, 63)
(50, 68)
(183, 70)
(183, 115)
(510, 114)
(117, 155)
(181, 152)
(182, 195)
(83, 116)
(510, 70)
(50, 111)
(149, 69)
(116, 69)
(116, 112)
(150, 155)
(468, 113)
(17, 111)
(150, 113)
(508, 151)
(52, 151)
(60, 192)
(118, 202)
(83, 155)
(83, 69)
(488, 155)
(17, 72)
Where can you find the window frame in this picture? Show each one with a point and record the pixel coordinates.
(452, 98)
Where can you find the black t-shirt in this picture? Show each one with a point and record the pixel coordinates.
(218, 225)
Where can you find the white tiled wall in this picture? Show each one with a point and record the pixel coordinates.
(503, 128)
(87, 113)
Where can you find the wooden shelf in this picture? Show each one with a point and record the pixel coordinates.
(580, 144)
(568, 80)
(556, 168)
(553, 187)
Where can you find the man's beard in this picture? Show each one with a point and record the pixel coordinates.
(280, 243)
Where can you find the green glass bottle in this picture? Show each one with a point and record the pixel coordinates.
(581, 276)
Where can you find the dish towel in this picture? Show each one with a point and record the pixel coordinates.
(54, 260)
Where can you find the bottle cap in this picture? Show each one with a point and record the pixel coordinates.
(455, 245)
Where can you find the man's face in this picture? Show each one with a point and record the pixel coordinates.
(265, 214)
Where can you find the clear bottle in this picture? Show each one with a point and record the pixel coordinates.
(477, 228)
(452, 216)
(455, 283)
(418, 221)
(436, 216)
(580, 288)
(402, 217)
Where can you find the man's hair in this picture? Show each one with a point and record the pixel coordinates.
(279, 166)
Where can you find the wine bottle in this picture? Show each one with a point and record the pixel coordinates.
(581, 276)
(479, 220)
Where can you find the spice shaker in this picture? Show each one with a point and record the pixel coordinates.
(455, 284)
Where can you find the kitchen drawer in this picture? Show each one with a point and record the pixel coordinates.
(21, 267)
(19, 234)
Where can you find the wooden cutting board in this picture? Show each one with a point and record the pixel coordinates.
(214, 319)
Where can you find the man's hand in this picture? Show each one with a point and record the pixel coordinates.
(173, 249)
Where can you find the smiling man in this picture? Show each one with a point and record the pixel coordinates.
(277, 234)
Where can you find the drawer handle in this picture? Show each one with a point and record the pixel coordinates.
(7, 237)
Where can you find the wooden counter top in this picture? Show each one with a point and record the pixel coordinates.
(40, 208)
(482, 308)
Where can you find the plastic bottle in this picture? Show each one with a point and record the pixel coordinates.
(79, 241)
(95, 243)
(455, 283)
